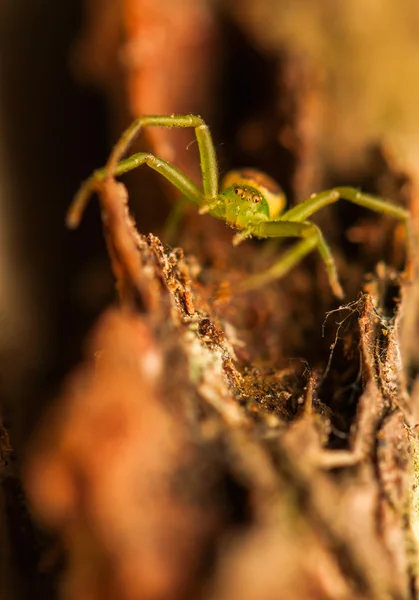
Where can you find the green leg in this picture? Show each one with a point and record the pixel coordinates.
(205, 145)
(306, 209)
(116, 166)
(313, 239)
(382, 206)
(293, 223)
(171, 173)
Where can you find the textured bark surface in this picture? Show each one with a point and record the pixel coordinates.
(178, 469)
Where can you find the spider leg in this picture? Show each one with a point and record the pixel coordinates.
(171, 173)
(116, 166)
(312, 239)
(306, 209)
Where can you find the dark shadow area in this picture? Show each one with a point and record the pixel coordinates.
(55, 133)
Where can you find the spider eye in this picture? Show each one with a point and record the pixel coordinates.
(255, 198)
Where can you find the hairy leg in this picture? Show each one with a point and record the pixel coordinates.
(171, 173)
(306, 209)
(116, 166)
(313, 239)
(203, 135)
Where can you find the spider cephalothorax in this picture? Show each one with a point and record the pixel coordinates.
(243, 205)
(249, 201)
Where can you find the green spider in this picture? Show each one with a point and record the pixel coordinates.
(249, 202)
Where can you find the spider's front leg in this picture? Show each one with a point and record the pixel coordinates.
(306, 209)
(171, 173)
(287, 225)
(312, 239)
(115, 166)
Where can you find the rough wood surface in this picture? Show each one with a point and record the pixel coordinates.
(179, 465)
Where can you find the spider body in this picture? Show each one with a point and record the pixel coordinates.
(241, 207)
(256, 182)
(248, 198)
(250, 202)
